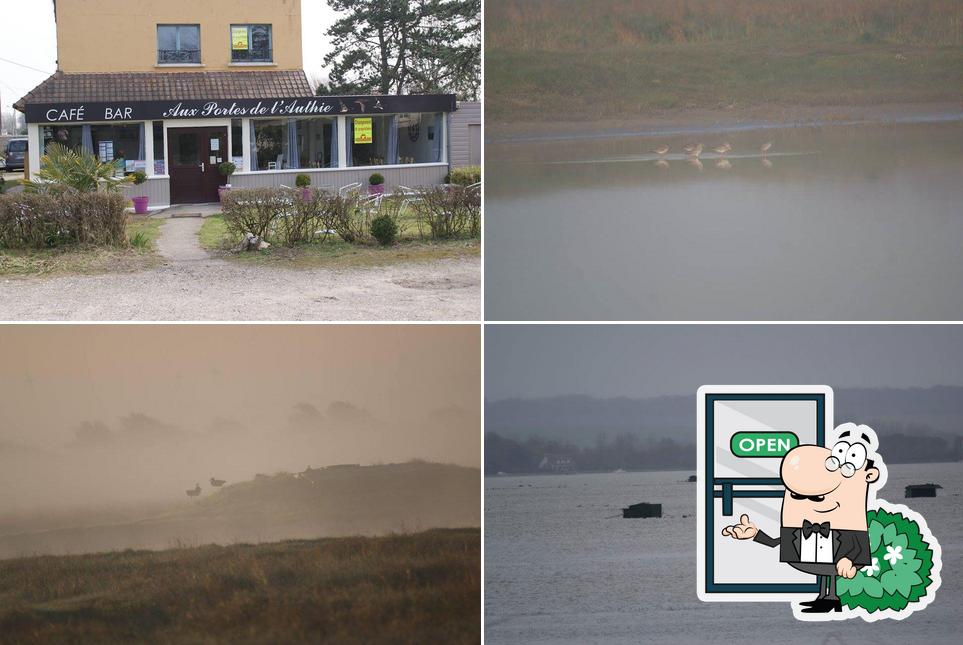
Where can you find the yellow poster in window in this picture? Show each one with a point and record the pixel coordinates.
(362, 130)
(239, 38)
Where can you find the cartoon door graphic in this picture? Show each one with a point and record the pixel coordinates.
(743, 433)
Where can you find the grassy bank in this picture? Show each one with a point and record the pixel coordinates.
(421, 588)
(335, 253)
(624, 59)
(142, 233)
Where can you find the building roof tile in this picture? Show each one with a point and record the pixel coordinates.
(167, 86)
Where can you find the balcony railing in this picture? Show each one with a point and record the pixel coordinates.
(252, 56)
(178, 56)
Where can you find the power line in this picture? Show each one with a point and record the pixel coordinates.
(13, 62)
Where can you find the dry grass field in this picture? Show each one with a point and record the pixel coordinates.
(417, 588)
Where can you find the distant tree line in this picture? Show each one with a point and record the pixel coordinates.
(625, 451)
(899, 444)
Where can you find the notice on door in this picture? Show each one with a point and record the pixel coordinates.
(744, 433)
(362, 130)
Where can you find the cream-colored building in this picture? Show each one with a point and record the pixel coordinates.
(176, 88)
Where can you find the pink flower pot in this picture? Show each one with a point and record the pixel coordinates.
(306, 193)
(140, 205)
(220, 192)
(377, 189)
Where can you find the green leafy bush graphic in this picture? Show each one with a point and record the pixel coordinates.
(901, 568)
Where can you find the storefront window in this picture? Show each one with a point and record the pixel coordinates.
(122, 145)
(395, 139)
(237, 144)
(251, 44)
(178, 44)
(280, 144)
(67, 135)
(158, 133)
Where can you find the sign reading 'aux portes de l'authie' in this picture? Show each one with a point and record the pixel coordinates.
(237, 108)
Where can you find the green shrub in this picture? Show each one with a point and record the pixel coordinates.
(63, 169)
(302, 181)
(464, 176)
(449, 212)
(140, 240)
(376, 179)
(227, 169)
(138, 177)
(384, 229)
(50, 219)
(902, 565)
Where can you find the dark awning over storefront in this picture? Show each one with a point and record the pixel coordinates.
(79, 98)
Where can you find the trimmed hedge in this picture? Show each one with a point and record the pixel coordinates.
(45, 220)
(450, 212)
(465, 176)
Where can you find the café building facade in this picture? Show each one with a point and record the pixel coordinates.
(191, 85)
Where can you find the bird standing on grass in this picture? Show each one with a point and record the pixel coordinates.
(217, 483)
(194, 492)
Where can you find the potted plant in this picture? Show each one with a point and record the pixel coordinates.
(140, 203)
(303, 182)
(376, 184)
(227, 169)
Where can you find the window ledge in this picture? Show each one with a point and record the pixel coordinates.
(180, 65)
(266, 64)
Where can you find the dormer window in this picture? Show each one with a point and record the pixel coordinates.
(251, 44)
(178, 44)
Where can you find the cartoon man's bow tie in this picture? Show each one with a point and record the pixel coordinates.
(808, 528)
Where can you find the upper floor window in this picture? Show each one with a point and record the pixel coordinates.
(251, 44)
(178, 44)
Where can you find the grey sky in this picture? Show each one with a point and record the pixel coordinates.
(29, 39)
(651, 360)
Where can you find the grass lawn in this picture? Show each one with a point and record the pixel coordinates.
(335, 253)
(626, 82)
(142, 231)
(420, 588)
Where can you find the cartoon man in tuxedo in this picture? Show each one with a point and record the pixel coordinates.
(823, 528)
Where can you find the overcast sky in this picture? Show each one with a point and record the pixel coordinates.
(56, 377)
(29, 44)
(641, 361)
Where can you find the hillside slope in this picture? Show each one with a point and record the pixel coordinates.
(324, 502)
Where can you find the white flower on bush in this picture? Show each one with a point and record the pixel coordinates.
(893, 553)
(873, 568)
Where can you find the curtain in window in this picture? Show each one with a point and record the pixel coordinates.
(253, 147)
(333, 157)
(349, 157)
(294, 157)
(392, 140)
(439, 134)
(141, 146)
(87, 140)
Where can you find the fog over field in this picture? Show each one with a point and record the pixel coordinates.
(109, 425)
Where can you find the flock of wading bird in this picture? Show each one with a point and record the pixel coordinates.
(694, 150)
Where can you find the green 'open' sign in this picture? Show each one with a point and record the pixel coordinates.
(762, 443)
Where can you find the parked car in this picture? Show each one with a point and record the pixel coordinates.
(15, 154)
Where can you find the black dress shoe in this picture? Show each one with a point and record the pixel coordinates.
(823, 606)
(810, 603)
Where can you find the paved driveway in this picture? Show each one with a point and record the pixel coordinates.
(191, 285)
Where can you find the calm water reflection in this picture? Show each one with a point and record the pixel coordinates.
(833, 223)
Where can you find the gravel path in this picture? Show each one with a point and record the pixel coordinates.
(191, 285)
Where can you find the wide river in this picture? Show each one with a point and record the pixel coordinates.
(562, 566)
(842, 222)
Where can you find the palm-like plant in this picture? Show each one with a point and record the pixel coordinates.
(62, 168)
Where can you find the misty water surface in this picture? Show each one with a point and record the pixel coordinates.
(834, 223)
(562, 566)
